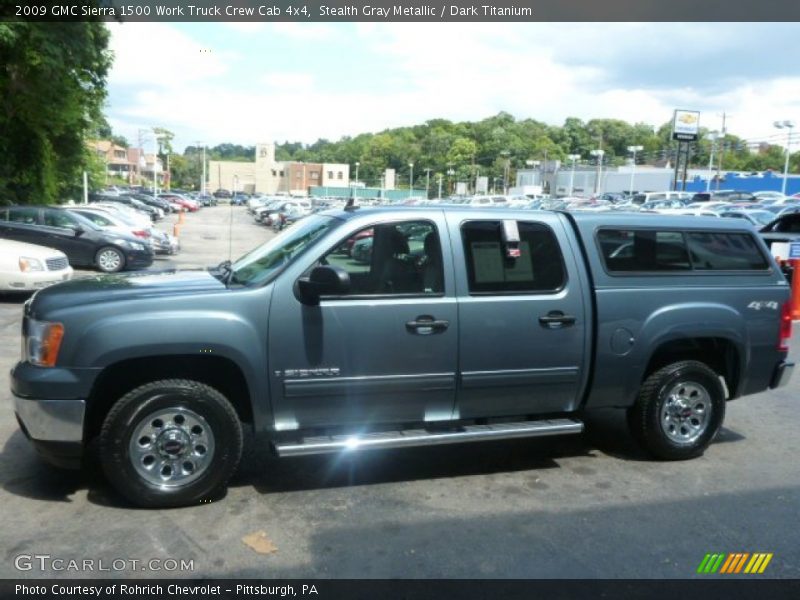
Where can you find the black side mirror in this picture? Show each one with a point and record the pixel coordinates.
(79, 231)
(326, 280)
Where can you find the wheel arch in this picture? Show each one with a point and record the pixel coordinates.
(116, 379)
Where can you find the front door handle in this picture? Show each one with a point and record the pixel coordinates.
(556, 319)
(426, 324)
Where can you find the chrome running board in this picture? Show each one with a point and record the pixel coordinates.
(424, 437)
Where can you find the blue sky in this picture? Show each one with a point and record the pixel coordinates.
(251, 82)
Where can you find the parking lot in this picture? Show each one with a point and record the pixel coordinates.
(581, 507)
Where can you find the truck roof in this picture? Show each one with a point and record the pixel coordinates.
(583, 220)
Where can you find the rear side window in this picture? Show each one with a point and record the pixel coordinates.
(717, 251)
(644, 250)
(653, 251)
(539, 268)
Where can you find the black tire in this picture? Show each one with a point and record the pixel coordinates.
(106, 266)
(130, 411)
(646, 417)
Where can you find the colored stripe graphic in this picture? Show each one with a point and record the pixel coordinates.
(734, 562)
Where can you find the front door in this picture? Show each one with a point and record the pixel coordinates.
(384, 353)
(522, 321)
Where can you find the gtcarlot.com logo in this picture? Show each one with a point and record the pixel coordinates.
(735, 562)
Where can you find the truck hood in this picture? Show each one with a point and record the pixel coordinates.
(127, 286)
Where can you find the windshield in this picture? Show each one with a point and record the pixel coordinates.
(258, 265)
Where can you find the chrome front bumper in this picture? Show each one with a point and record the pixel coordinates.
(51, 420)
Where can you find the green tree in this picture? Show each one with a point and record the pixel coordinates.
(52, 87)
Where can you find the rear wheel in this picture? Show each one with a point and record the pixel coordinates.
(171, 443)
(679, 410)
(109, 259)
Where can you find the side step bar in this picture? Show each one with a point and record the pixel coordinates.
(424, 437)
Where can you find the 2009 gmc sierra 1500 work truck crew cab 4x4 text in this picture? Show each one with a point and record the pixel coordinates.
(459, 325)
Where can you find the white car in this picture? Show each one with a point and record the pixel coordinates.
(26, 267)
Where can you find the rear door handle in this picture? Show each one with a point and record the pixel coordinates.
(426, 324)
(556, 319)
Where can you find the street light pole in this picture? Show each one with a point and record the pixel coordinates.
(786, 125)
(599, 154)
(574, 158)
(411, 180)
(633, 149)
(440, 187)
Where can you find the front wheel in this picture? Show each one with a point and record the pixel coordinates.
(109, 259)
(171, 443)
(679, 410)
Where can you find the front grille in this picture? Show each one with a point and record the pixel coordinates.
(56, 264)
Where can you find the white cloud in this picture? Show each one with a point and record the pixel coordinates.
(431, 70)
(158, 54)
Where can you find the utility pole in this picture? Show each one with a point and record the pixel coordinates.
(440, 186)
(723, 131)
(203, 180)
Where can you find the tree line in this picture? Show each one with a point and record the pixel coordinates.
(53, 88)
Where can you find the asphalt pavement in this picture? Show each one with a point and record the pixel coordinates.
(589, 506)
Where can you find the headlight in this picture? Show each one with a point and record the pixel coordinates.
(41, 342)
(28, 264)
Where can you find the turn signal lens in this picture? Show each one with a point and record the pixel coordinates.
(44, 342)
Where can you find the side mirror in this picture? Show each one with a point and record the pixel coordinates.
(79, 231)
(326, 280)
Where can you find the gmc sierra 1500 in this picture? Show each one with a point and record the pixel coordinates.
(460, 325)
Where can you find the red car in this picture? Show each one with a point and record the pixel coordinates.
(186, 203)
(348, 245)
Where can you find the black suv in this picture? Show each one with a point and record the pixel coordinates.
(84, 243)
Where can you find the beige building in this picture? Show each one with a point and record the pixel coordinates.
(268, 176)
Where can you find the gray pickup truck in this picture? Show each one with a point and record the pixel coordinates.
(394, 327)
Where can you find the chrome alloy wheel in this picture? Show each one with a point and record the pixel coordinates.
(686, 412)
(171, 447)
(109, 260)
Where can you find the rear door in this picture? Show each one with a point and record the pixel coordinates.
(22, 225)
(523, 330)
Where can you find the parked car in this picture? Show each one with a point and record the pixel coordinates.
(84, 243)
(206, 199)
(785, 228)
(362, 250)
(497, 324)
(683, 197)
(239, 200)
(155, 214)
(182, 201)
(26, 267)
(220, 193)
(757, 218)
(771, 195)
(152, 201)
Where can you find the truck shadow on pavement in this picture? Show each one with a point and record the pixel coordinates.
(23, 473)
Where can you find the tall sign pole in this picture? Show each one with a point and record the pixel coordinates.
(685, 129)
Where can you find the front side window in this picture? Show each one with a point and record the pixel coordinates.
(402, 258)
(57, 218)
(257, 266)
(538, 269)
